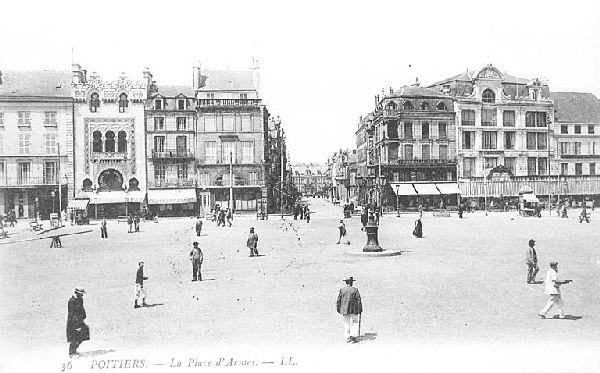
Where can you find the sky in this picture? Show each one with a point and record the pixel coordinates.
(321, 62)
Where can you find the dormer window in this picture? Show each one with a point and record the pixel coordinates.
(441, 106)
(123, 103)
(181, 104)
(94, 102)
(243, 96)
(424, 106)
(391, 105)
(488, 96)
(408, 105)
(158, 104)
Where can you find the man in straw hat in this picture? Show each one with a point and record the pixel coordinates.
(196, 257)
(552, 288)
(77, 330)
(531, 261)
(349, 305)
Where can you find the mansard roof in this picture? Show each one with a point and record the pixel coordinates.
(172, 91)
(228, 80)
(35, 83)
(576, 107)
(470, 76)
(417, 91)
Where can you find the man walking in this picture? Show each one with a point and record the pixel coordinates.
(307, 214)
(252, 242)
(342, 229)
(198, 226)
(103, 230)
(349, 305)
(129, 223)
(196, 257)
(531, 261)
(77, 330)
(139, 290)
(552, 288)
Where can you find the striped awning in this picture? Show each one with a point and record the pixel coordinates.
(170, 196)
(426, 189)
(116, 196)
(403, 189)
(448, 188)
(78, 204)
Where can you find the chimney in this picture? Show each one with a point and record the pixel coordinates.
(148, 76)
(391, 91)
(256, 76)
(77, 74)
(197, 82)
(416, 84)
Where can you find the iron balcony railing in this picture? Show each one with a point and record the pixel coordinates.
(28, 181)
(202, 183)
(229, 102)
(172, 153)
(544, 186)
(171, 183)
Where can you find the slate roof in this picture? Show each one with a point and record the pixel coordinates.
(576, 107)
(228, 80)
(175, 90)
(42, 83)
(468, 76)
(417, 91)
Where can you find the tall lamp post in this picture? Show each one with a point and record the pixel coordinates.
(52, 194)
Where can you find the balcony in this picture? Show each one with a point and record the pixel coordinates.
(171, 183)
(579, 156)
(172, 154)
(237, 182)
(228, 102)
(109, 156)
(24, 182)
(427, 162)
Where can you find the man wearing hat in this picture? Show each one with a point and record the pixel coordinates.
(342, 229)
(531, 262)
(196, 257)
(349, 305)
(77, 330)
(552, 288)
(252, 242)
(139, 289)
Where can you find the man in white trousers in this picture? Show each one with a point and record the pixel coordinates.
(139, 290)
(349, 305)
(552, 288)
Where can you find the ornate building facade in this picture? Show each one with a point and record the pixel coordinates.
(109, 141)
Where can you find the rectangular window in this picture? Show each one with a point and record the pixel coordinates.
(592, 169)
(468, 140)
(181, 146)
(243, 96)
(159, 143)
(564, 168)
(564, 129)
(542, 166)
(542, 143)
(467, 117)
(468, 167)
(24, 171)
(535, 119)
(247, 152)
(228, 123)
(50, 172)
(24, 143)
(246, 122)
(159, 172)
(508, 118)
(159, 123)
(443, 151)
(425, 130)
(50, 119)
(537, 141)
(228, 151)
(578, 169)
(210, 152)
(51, 143)
(489, 139)
(1, 119)
(181, 123)
(590, 129)
(180, 104)
(426, 152)
(511, 164)
(564, 148)
(509, 140)
(182, 171)
(577, 130)
(488, 117)
(531, 140)
(23, 119)
(531, 166)
(158, 104)
(540, 119)
(491, 162)
(577, 148)
(204, 178)
(253, 178)
(210, 123)
(1, 143)
(408, 130)
(442, 134)
(2, 173)
(408, 152)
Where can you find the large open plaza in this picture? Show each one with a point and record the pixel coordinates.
(459, 293)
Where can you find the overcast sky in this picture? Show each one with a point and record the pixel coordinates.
(321, 62)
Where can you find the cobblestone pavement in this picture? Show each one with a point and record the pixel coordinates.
(459, 294)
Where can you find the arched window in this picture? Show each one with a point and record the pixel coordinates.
(87, 185)
(425, 106)
(109, 143)
(408, 105)
(123, 103)
(442, 106)
(488, 96)
(94, 102)
(122, 142)
(391, 105)
(97, 142)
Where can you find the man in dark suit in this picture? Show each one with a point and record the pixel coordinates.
(349, 305)
(532, 262)
(77, 330)
(139, 290)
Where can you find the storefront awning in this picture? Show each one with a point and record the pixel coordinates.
(448, 188)
(116, 196)
(403, 189)
(170, 196)
(426, 189)
(78, 204)
(530, 198)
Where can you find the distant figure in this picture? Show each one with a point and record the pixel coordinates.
(418, 231)
(364, 218)
(564, 211)
(103, 230)
(301, 212)
(71, 216)
(531, 261)
(55, 242)
(252, 242)
(63, 219)
(196, 258)
(139, 290)
(130, 223)
(198, 226)
(342, 229)
(420, 209)
(441, 205)
(461, 209)
(552, 288)
(307, 214)
(77, 330)
(229, 217)
(136, 222)
(296, 212)
(349, 305)
(584, 215)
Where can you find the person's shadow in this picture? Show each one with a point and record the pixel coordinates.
(95, 353)
(150, 305)
(567, 317)
(367, 337)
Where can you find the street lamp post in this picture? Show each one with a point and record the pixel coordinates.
(52, 194)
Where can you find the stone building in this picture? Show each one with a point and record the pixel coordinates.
(171, 142)
(502, 120)
(36, 129)
(309, 178)
(231, 135)
(109, 141)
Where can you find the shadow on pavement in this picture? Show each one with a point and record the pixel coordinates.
(95, 353)
(567, 317)
(367, 337)
(150, 305)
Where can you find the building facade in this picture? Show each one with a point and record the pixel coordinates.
(36, 129)
(109, 140)
(309, 178)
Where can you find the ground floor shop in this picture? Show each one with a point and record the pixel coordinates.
(34, 202)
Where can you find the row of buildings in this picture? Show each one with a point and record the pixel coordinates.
(117, 147)
(481, 133)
